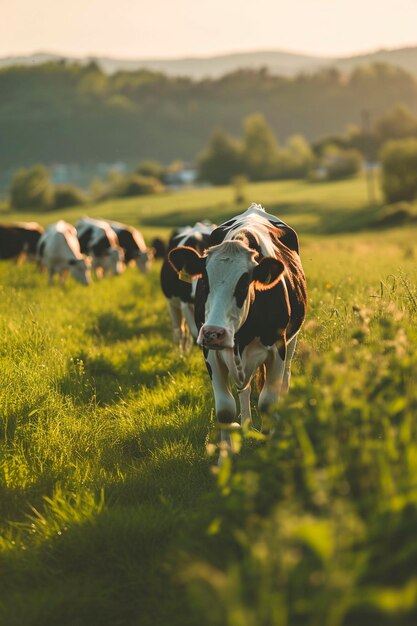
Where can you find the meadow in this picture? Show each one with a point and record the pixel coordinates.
(113, 510)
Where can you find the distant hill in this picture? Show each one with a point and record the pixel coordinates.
(79, 115)
(278, 62)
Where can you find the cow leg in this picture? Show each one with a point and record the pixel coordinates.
(176, 320)
(224, 402)
(245, 411)
(50, 276)
(188, 313)
(187, 338)
(271, 390)
(63, 277)
(97, 269)
(287, 371)
(21, 258)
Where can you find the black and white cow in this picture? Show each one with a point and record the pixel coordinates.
(134, 246)
(98, 240)
(180, 293)
(249, 307)
(160, 247)
(18, 241)
(59, 251)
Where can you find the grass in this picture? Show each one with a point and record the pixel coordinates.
(111, 512)
(311, 208)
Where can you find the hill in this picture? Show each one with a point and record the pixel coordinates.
(73, 114)
(278, 62)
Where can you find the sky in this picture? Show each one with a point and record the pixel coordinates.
(177, 28)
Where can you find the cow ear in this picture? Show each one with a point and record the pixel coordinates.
(267, 273)
(185, 260)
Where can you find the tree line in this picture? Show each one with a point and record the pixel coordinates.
(68, 113)
(256, 156)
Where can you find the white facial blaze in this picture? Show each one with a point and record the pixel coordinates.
(226, 264)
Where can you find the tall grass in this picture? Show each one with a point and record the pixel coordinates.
(111, 511)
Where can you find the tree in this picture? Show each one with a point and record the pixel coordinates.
(67, 196)
(296, 159)
(222, 160)
(397, 123)
(32, 189)
(399, 169)
(261, 150)
(366, 141)
(338, 163)
(151, 168)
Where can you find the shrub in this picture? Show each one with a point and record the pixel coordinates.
(151, 168)
(339, 163)
(31, 189)
(136, 185)
(399, 170)
(67, 196)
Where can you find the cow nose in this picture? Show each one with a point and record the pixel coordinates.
(213, 334)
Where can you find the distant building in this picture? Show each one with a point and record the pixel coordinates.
(82, 174)
(184, 177)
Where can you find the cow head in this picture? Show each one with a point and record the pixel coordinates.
(230, 273)
(144, 260)
(80, 270)
(112, 260)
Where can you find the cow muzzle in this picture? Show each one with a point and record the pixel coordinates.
(213, 338)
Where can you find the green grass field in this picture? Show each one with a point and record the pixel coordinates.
(113, 511)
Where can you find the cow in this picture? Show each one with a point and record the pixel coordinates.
(250, 304)
(98, 240)
(134, 246)
(179, 292)
(59, 251)
(18, 241)
(160, 247)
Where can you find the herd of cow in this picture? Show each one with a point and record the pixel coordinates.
(237, 289)
(97, 245)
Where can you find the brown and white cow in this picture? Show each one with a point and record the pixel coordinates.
(18, 241)
(59, 251)
(180, 290)
(250, 304)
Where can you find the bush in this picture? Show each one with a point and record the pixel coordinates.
(399, 170)
(151, 168)
(67, 196)
(338, 163)
(31, 189)
(136, 185)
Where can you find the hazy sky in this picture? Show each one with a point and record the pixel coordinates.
(175, 28)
